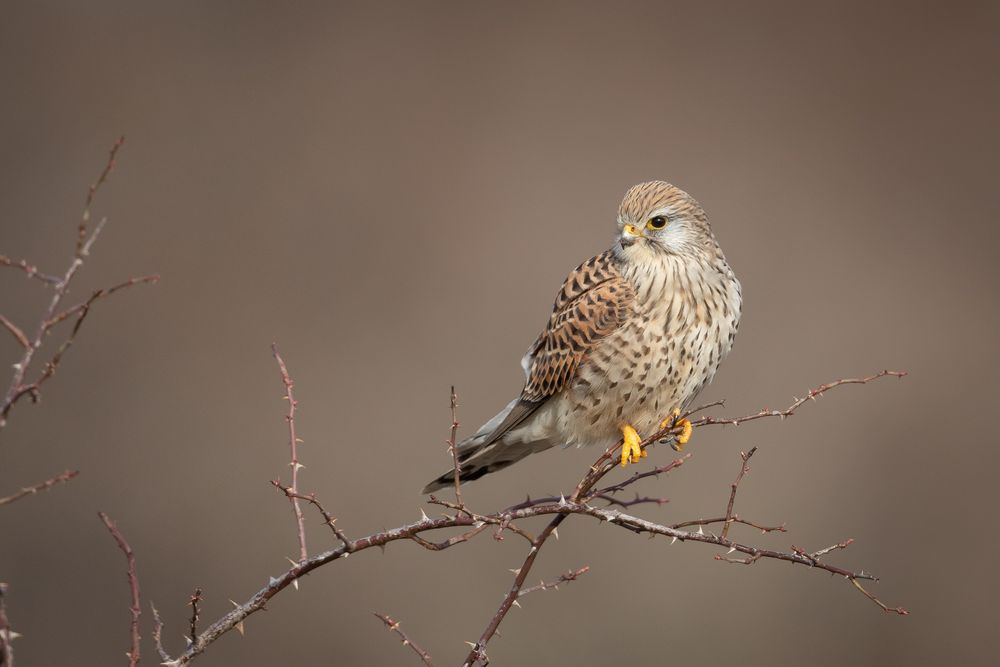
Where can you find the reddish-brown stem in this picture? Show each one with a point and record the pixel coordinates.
(744, 469)
(393, 626)
(293, 442)
(195, 612)
(478, 651)
(41, 486)
(453, 446)
(81, 237)
(572, 575)
(16, 332)
(18, 388)
(133, 584)
(29, 269)
(158, 635)
(886, 608)
(811, 395)
(311, 499)
(735, 518)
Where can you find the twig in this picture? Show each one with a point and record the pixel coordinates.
(453, 446)
(886, 608)
(81, 237)
(842, 545)
(733, 519)
(744, 469)
(18, 389)
(41, 486)
(195, 599)
(16, 332)
(158, 635)
(81, 311)
(311, 498)
(655, 472)
(638, 500)
(812, 395)
(393, 626)
(29, 269)
(7, 636)
(572, 575)
(79, 308)
(293, 442)
(133, 583)
(478, 650)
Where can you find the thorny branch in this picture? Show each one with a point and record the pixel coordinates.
(41, 486)
(572, 575)
(133, 584)
(811, 395)
(579, 502)
(293, 442)
(19, 387)
(393, 626)
(744, 469)
(453, 447)
(158, 634)
(195, 599)
(29, 269)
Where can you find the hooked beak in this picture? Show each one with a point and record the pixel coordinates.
(630, 234)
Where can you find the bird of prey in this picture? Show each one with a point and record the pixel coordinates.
(635, 333)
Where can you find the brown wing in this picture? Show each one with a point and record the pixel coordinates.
(593, 303)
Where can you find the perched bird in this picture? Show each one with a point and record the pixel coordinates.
(635, 333)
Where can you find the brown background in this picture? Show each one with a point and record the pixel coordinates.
(394, 192)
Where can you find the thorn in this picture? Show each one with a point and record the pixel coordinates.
(240, 629)
(423, 515)
(731, 550)
(271, 581)
(235, 604)
(700, 531)
(471, 644)
(295, 582)
(555, 533)
(517, 604)
(673, 539)
(294, 564)
(478, 524)
(516, 572)
(562, 500)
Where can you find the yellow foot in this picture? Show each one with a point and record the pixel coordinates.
(631, 451)
(683, 424)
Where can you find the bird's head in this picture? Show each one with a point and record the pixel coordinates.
(657, 217)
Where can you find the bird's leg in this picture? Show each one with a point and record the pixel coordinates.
(676, 421)
(631, 451)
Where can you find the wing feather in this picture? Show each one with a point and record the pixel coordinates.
(593, 303)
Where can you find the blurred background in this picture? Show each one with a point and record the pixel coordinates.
(394, 192)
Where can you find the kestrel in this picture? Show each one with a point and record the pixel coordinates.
(635, 333)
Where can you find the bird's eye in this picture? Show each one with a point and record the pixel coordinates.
(659, 222)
